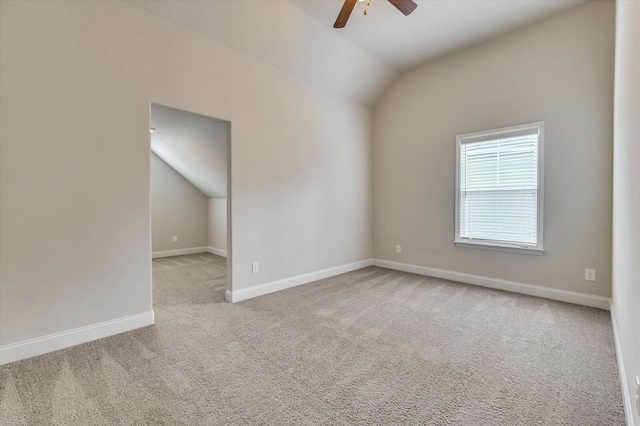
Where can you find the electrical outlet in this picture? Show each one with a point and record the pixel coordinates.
(638, 394)
(398, 249)
(256, 267)
(590, 274)
(175, 239)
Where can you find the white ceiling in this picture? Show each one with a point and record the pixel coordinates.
(193, 145)
(435, 28)
(282, 35)
(359, 61)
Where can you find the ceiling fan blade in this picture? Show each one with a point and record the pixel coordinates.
(344, 14)
(404, 6)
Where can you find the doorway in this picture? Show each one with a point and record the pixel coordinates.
(190, 203)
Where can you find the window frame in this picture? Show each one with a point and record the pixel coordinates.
(496, 245)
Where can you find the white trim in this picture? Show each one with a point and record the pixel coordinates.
(179, 252)
(192, 250)
(515, 287)
(217, 251)
(54, 342)
(626, 396)
(499, 247)
(486, 135)
(273, 286)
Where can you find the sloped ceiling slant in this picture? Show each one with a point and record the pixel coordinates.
(193, 145)
(281, 34)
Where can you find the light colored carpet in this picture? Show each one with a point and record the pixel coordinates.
(372, 347)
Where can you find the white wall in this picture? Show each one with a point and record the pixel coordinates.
(626, 196)
(77, 81)
(559, 70)
(177, 209)
(218, 223)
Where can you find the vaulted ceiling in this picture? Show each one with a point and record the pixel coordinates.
(435, 28)
(284, 36)
(359, 61)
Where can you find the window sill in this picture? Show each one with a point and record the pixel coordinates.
(499, 247)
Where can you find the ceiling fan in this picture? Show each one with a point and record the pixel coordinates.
(404, 6)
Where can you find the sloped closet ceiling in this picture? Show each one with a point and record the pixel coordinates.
(193, 145)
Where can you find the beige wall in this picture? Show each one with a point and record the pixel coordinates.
(218, 223)
(77, 80)
(177, 209)
(626, 193)
(559, 71)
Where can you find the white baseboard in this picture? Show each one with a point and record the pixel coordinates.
(626, 396)
(273, 286)
(179, 252)
(515, 287)
(54, 342)
(217, 251)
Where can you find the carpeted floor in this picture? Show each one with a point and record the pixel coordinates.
(371, 347)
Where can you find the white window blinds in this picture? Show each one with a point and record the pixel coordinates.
(498, 188)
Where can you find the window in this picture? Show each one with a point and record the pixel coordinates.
(499, 189)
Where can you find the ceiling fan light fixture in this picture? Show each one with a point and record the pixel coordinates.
(404, 6)
(368, 4)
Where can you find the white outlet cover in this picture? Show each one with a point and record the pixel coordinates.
(398, 249)
(590, 274)
(255, 267)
